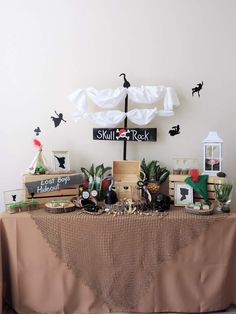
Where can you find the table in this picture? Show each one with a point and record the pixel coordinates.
(76, 263)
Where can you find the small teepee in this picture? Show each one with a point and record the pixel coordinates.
(39, 164)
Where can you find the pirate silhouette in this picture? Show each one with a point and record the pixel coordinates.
(184, 193)
(175, 130)
(57, 120)
(37, 131)
(61, 161)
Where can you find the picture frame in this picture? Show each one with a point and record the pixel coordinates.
(13, 196)
(60, 161)
(183, 194)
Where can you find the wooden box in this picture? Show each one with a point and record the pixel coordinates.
(126, 175)
(174, 178)
(52, 187)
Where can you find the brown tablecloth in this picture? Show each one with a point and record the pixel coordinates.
(73, 263)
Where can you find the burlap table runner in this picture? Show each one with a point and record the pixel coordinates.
(117, 256)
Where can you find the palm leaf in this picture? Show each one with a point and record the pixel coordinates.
(85, 172)
(91, 171)
(164, 176)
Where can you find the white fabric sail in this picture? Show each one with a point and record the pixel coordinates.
(107, 119)
(110, 99)
(142, 116)
(146, 94)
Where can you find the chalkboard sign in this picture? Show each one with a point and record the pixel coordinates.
(125, 134)
(51, 184)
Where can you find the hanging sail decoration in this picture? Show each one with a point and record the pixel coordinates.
(109, 100)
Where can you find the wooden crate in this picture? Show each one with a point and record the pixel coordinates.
(65, 193)
(126, 174)
(174, 178)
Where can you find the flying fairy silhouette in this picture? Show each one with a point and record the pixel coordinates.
(57, 120)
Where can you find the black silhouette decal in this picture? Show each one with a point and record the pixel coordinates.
(126, 83)
(14, 198)
(57, 120)
(37, 131)
(197, 89)
(61, 161)
(183, 192)
(175, 130)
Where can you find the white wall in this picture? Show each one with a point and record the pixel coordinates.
(48, 48)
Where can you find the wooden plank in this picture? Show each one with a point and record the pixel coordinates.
(174, 178)
(195, 194)
(181, 178)
(210, 187)
(44, 200)
(34, 178)
(68, 191)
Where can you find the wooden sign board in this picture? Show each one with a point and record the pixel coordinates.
(125, 134)
(53, 183)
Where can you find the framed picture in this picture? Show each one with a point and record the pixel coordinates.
(60, 161)
(13, 196)
(183, 194)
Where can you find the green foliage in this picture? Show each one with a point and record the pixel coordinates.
(95, 176)
(153, 171)
(223, 191)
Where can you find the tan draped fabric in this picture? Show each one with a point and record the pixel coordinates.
(123, 263)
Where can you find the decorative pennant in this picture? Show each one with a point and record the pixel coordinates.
(125, 134)
(37, 131)
(197, 89)
(57, 120)
(174, 130)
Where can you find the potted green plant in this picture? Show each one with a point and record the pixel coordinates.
(223, 195)
(153, 175)
(95, 176)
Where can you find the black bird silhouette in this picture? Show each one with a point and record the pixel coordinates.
(61, 161)
(175, 130)
(57, 120)
(126, 83)
(13, 197)
(37, 131)
(197, 89)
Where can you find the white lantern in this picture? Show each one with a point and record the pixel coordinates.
(212, 154)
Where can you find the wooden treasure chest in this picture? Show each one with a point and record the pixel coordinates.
(126, 175)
